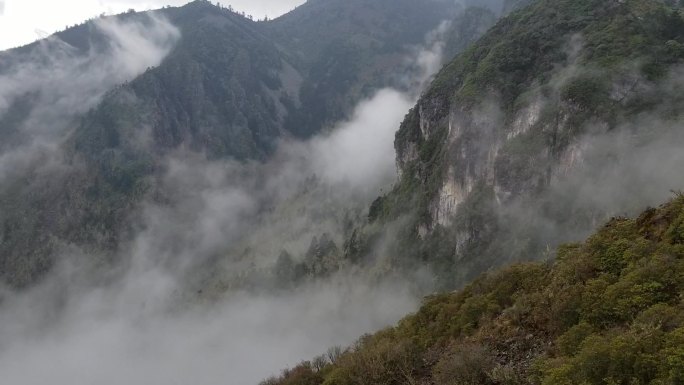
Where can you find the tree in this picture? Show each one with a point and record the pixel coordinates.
(285, 270)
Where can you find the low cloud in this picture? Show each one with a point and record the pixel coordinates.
(69, 83)
(361, 152)
(165, 317)
(623, 169)
(114, 336)
(54, 83)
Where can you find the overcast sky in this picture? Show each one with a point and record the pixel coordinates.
(23, 21)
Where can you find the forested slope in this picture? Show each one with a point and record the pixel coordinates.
(605, 311)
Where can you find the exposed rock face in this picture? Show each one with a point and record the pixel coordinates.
(474, 139)
(452, 193)
(497, 155)
(525, 119)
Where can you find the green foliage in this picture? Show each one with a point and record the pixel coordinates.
(608, 311)
(554, 70)
(571, 341)
(586, 91)
(466, 365)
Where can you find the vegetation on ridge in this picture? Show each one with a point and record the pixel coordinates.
(607, 311)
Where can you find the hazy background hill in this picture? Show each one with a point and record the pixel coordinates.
(211, 82)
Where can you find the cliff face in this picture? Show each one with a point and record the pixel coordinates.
(503, 148)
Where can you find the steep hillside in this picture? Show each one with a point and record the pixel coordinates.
(607, 311)
(549, 124)
(219, 91)
(346, 48)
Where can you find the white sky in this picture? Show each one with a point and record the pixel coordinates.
(23, 21)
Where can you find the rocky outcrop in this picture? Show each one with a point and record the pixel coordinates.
(496, 151)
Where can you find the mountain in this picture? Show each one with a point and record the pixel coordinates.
(606, 311)
(232, 87)
(218, 91)
(192, 194)
(495, 160)
(346, 48)
(561, 116)
(211, 82)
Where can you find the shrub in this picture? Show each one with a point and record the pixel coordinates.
(466, 365)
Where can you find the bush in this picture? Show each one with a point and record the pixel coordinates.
(466, 365)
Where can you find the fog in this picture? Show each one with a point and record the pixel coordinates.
(58, 83)
(361, 152)
(623, 171)
(113, 335)
(620, 170)
(605, 169)
(68, 82)
(193, 299)
(177, 309)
